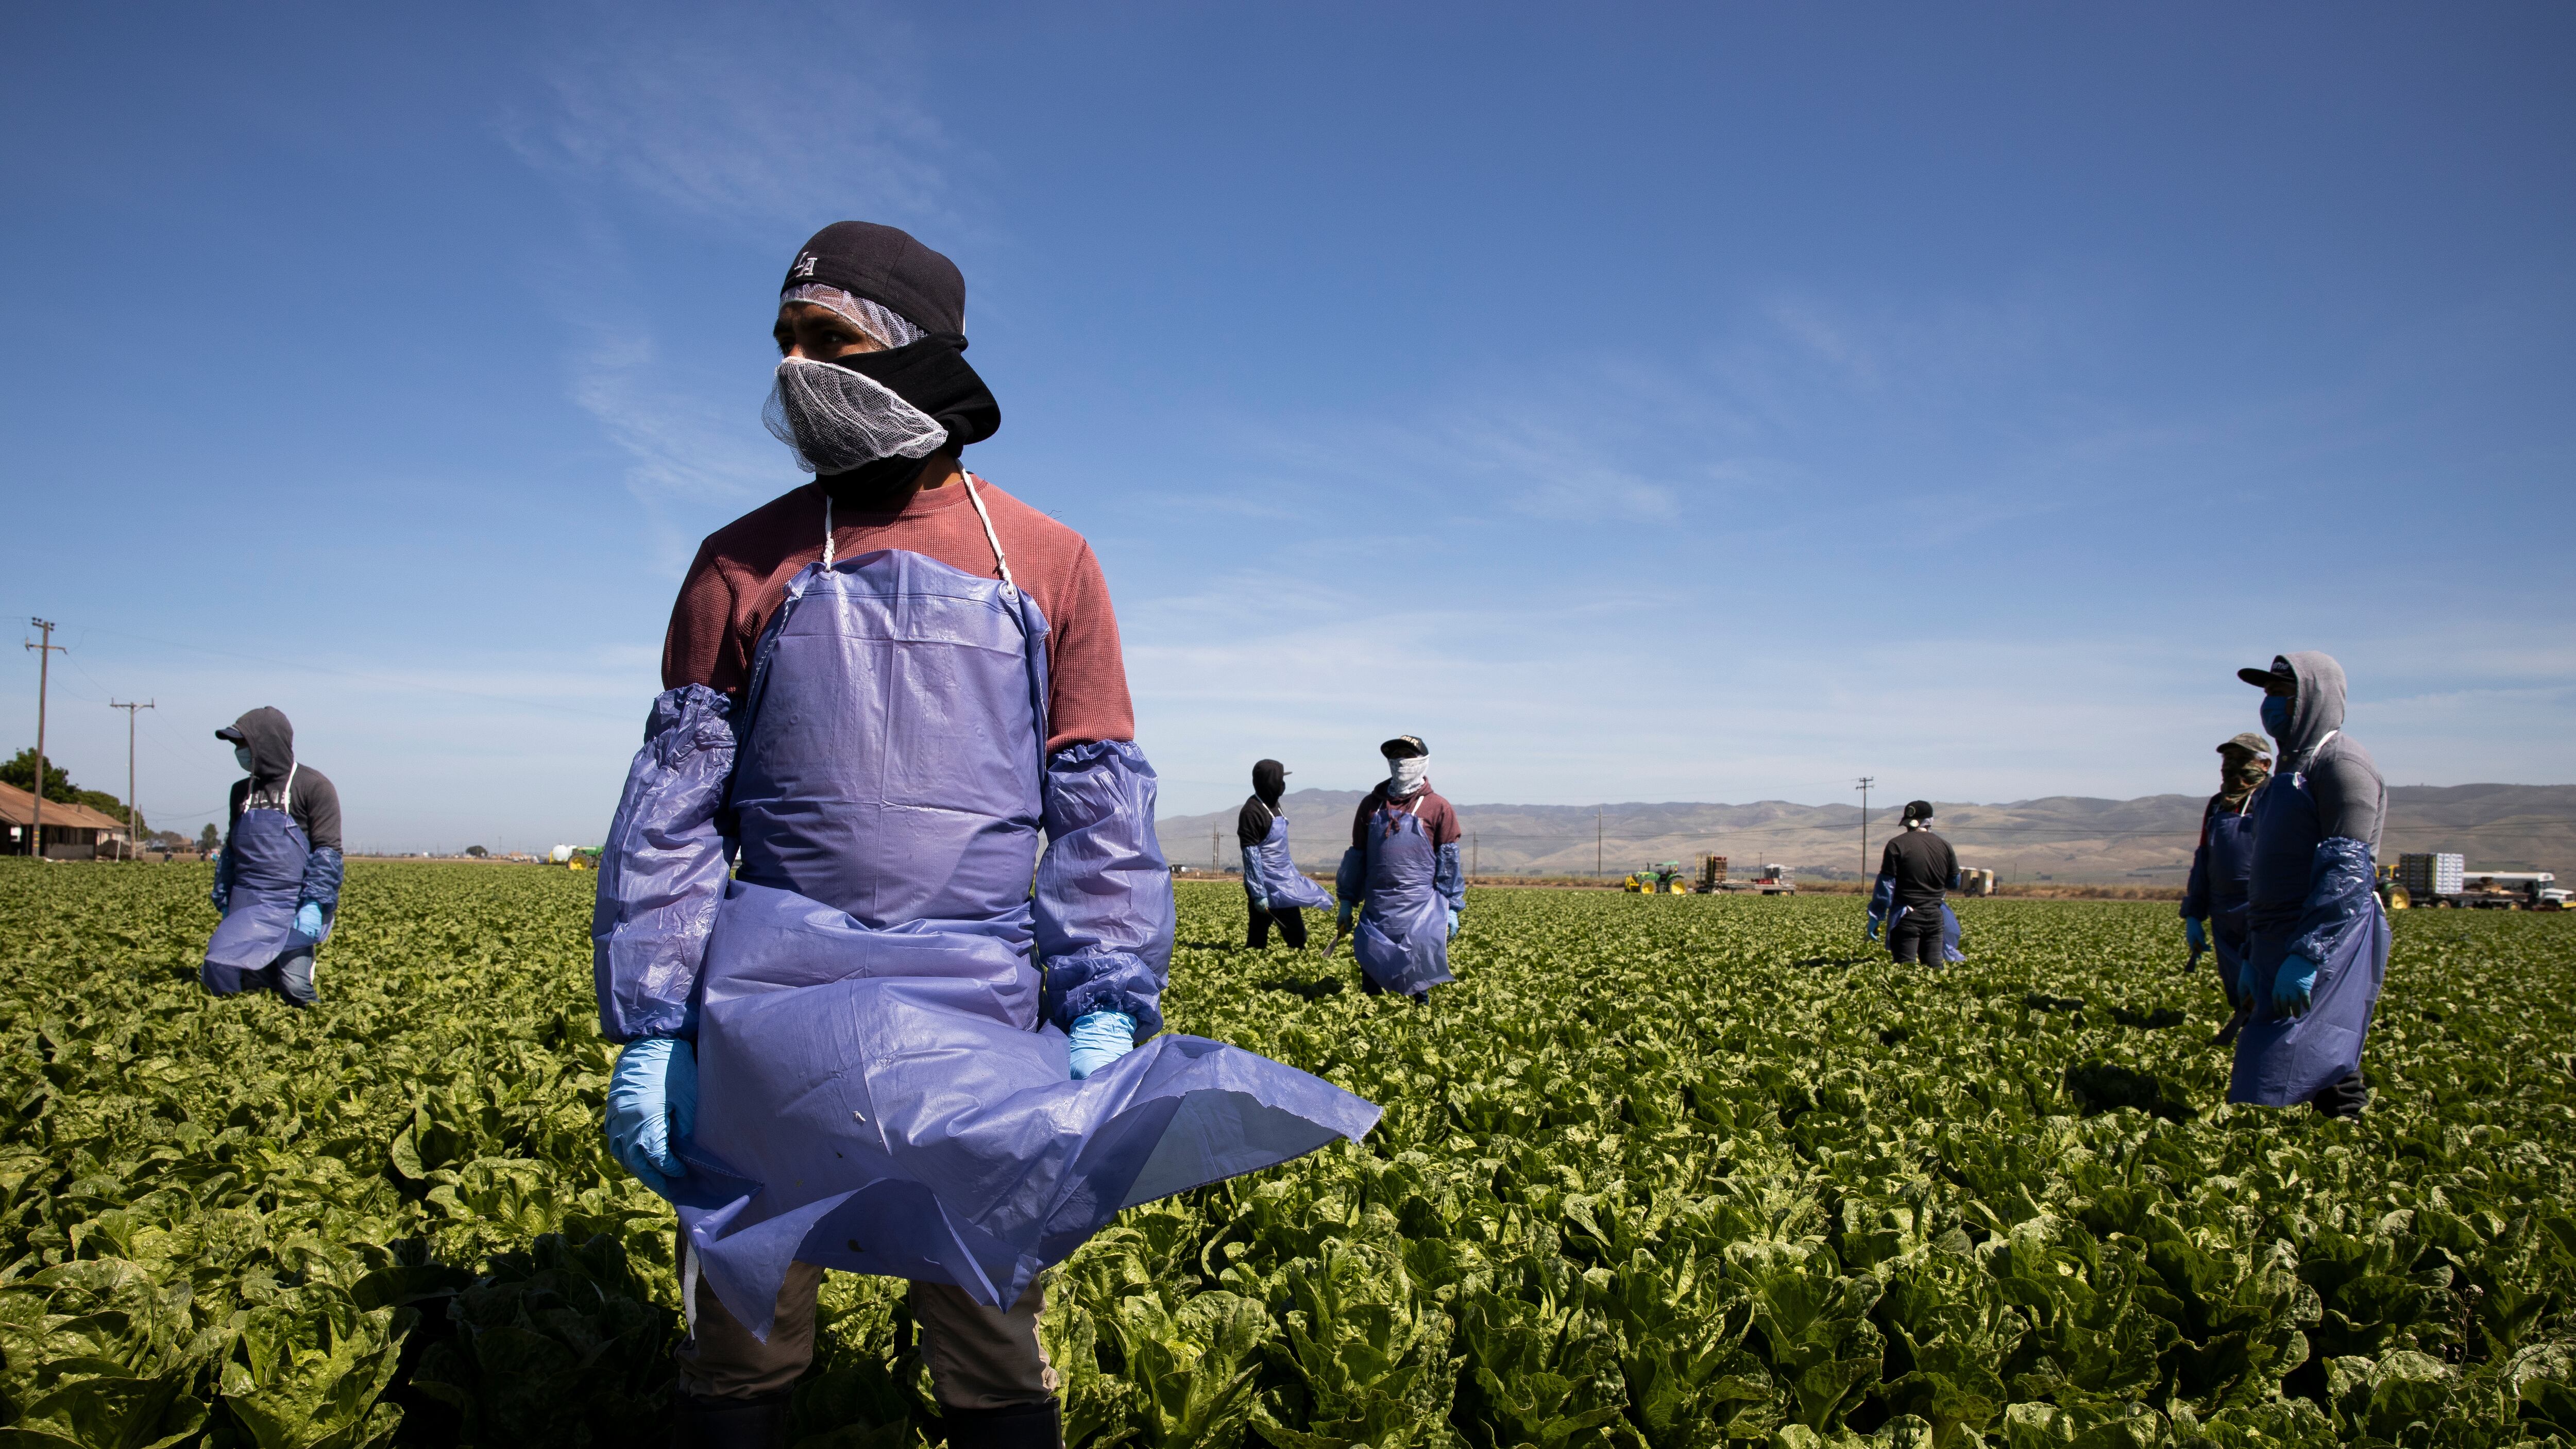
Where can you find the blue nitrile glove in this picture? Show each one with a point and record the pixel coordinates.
(1345, 922)
(1873, 928)
(2194, 934)
(1261, 903)
(1099, 1039)
(1453, 925)
(308, 921)
(2293, 984)
(652, 1108)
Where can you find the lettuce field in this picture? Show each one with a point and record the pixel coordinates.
(1657, 1172)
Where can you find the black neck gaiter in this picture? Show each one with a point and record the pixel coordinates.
(934, 376)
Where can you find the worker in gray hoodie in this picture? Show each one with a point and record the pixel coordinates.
(277, 886)
(2317, 945)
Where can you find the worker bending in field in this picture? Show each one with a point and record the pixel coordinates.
(1915, 875)
(899, 1039)
(1274, 890)
(1401, 876)
(2317, 938)
(277, 886)
(2213, 903)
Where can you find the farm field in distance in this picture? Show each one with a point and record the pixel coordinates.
(1658, 1171)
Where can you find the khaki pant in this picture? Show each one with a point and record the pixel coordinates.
(979, 1357)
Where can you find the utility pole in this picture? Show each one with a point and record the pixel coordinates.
(1863, 787)
(1471, 854)
(133, 836)
(1596, 841)
(45, 653)
(1213, 862)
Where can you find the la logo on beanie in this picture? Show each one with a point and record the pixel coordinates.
(804, 265)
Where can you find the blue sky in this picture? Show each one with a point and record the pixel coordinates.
(1708, 402)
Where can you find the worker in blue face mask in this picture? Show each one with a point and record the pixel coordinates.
(1401, 877)
(277, 885)
(1275, 892)
(2317, 938)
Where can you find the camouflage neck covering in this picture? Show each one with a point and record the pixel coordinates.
(2244, 763)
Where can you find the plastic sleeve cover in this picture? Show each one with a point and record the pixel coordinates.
(1104, 894)
(2339, 898)
(1351, 881)
(322, 871)
(1448, 879)
(1252, 872)
(223, 890)
(663, 869)
(1882, 897)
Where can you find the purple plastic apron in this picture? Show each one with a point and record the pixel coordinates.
(268, 851)
(1287, 888)
(2284, 1060)
(1402, 936)
(2231, 844)
(876, 1091)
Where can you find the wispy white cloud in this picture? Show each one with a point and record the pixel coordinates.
(689, 443)
(748, 114)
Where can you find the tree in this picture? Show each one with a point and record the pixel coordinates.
(476, 851)
(21, 772)
(208, 839)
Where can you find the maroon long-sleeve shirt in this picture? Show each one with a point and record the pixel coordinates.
(740, 577)
(1439, 818)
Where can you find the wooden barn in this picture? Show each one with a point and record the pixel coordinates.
(72, 832)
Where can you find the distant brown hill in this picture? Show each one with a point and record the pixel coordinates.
(2146, 841)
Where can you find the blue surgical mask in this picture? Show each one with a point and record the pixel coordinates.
(241, 753)
(2276, 716)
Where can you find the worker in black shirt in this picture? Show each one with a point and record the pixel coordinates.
(1275, 892)
(1914, 875)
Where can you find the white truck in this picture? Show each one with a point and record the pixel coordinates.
(2441, 879)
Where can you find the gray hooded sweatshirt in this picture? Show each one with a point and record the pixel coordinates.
(313, 804)
(2351, 802)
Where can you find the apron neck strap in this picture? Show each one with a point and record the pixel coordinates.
(990, 537)
(285, 789)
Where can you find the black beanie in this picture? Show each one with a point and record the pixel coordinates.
(1918, 809)
(887, 267)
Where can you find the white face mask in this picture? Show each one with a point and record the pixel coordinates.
(241, 753)
(1403, 777)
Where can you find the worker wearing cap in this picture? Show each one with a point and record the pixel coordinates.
(1401, 877)
(868, 1023)
(2213, 904)
(1275, 892)
(1916, 873)
(277, 885)
(2317, 938)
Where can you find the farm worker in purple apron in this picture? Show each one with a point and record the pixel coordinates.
(2317, 939)
(1274, 890)
(1916, 873)
(1401, 877)
(277, 885)
(2214, 910)
(900, 1040)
